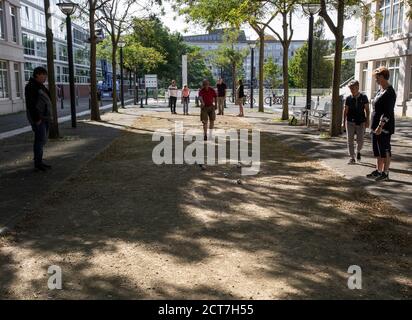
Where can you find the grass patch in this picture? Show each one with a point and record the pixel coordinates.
(280, 120)
(324, 135)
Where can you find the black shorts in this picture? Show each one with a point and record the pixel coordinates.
(381, 145)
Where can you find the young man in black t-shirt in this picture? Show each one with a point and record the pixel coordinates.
(356, 119)
(383, 124)
(221, 96)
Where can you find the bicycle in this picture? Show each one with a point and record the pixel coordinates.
(247, 100)
(277, 100)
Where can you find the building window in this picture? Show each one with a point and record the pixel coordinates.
(4, 88)
(17, 79)
(13, 15)
(1, 20)
(364, 76)
(25, 16)
(367, 34)
(41, 50)
(63, 53)
(79, 36)
(28, 68)
(385, 10)
(65, 75)
(28, 44)
(397, 16)
(391, 20)
(394, 72)
(39, 22)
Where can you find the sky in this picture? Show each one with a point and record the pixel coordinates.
(300, 26)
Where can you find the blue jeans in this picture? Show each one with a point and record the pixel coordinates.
(185, 105)
(41, 132)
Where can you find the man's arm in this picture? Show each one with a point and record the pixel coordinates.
(388, 105)
(32, 96)
(367, 114)
(202, 104)
(345, 115)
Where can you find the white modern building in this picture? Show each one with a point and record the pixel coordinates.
(33, 25)
(390, 47)
(214, 39)
(23, 47)
(11, 58)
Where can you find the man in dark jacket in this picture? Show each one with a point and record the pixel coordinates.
(38, 109)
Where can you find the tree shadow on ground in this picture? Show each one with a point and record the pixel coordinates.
(291, 231)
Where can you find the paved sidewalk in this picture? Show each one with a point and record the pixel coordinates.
(333, 154)
(18, 120)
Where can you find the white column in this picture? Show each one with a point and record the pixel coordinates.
(184, 70)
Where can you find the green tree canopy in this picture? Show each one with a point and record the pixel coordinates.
(322, 68)
(151, 33)
(197, 69)
(136, 56)
(272, 73)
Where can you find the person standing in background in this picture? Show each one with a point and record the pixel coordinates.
(356, 120)
(185, 99)
(240, 97)
(221, 96)
(38, 110)
(382, 124)
(173, 96)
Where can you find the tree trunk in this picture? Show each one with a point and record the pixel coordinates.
(54, 125)
(114, 80)
(285, 64)
(336, 123)
(261, 65)
(234, 81)
(136, 83)
(94, 105)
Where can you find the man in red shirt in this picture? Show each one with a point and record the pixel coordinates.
(208, 103)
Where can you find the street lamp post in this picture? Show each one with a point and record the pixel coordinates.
(68, 9)
(252, 67)
(121, 45)
(310, 9)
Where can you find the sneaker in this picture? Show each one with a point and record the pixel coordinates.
(382, 177)
(358, 156)
(39, 167)
(373, 174)
(46, 166)
(351, 161)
